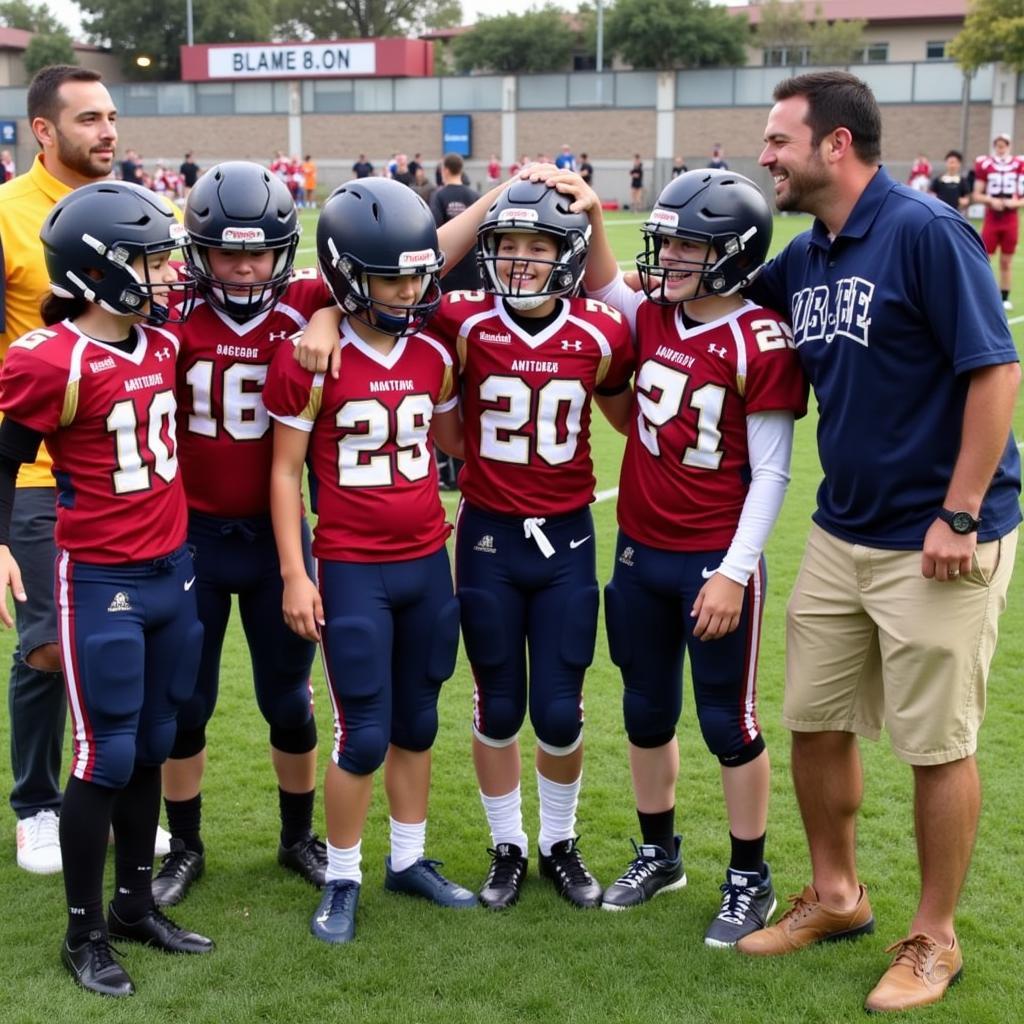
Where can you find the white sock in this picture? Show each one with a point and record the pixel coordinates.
(558, 804)
(505, 817)
(344, 863)
(408, 842)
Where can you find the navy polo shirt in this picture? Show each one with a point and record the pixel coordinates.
(889, 319)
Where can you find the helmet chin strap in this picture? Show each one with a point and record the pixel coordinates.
(523, 303)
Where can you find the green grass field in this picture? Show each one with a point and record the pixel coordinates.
(543, 961)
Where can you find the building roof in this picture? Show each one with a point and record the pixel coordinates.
(19, 38)
(871, 10)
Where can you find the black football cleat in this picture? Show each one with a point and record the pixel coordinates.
(573, 881)
(505, 878)
(159, 931)
(307, 858)
(94, 966)
(178, 870)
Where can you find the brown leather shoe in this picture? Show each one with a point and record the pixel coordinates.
(919, 974)
(808, 921)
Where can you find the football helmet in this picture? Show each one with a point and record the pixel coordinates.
(723, 211)
(92, 237)
(241, 206)
(377, 227)
(532, 206)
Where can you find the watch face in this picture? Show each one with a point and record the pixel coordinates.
(963, 522)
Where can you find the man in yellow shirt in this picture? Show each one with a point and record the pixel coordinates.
(74, 121)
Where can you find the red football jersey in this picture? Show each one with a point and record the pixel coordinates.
(526, 399)
(1003, 179)
(223, 427)
(377, 493)
(108, 419)
(685, 472)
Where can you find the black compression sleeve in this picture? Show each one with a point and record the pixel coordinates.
(18, 444)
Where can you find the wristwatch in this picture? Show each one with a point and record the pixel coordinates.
(959, 522)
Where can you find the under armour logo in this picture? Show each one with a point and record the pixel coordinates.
(277, 335)
(574, 346)
(717, 350)
(162, 354)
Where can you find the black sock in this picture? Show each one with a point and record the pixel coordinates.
(1005, 292)
(84, 830)
(184, 818)
(659, 829)
(135, 817)
(296, 815)
(747, 854)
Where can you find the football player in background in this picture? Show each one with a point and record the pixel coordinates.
(383, 608)
(704, 474)
(243, 232)
(98, 385)
(999, 184)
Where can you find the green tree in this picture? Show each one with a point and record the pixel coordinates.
(347, 19)
(537, 40)
(130, 28)
(31, 18)
(783, 26)
(42, 50)
(993, 33)
(675, 34)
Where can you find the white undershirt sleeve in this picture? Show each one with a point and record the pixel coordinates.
(769, 448)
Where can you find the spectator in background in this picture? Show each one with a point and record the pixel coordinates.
(920, 173)
(309, 172)
(423, 186)
(415, 164)
(401, 172)
(717, 160)
(131, 169)
(953, 186)
(586, 169)
(678, 167)
(493, 171)
(565, 161)
(362, 168)
(392, 165)
(189, 171)
(7, 165)
(636, 183)
(451, 199)
(279, 166)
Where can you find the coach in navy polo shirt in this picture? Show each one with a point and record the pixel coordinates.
(893, 616)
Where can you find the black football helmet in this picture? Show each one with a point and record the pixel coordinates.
(240, 205)
(92, 237)
(381, 228)
(532, 206)
(723, 211)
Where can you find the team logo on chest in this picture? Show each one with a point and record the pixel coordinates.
(571, 346)
(276, 335)
(717, 350)
(161, 354)
(824, 314)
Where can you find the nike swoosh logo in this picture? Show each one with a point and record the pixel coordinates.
(574, 544)
(708, 573)
(188, 583)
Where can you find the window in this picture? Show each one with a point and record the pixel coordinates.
(935, 51)
(874, 53)
(785, 56)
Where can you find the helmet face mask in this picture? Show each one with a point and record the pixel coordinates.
(238, 206)
(525, 208)
(722, 212)
(375, 228)
(97, 242)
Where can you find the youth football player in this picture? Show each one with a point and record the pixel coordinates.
(383, 607)
(703, 478)
(243, 232)
(98, 386)
(999, 185)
